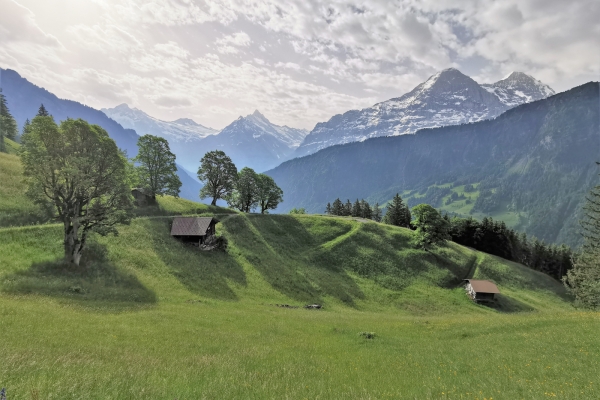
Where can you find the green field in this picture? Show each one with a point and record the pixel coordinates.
(148, 317)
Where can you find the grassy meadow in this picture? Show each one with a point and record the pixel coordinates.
(148, 317)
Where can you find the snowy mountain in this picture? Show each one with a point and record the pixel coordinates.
(253, 141)
(447, 98)
(24, 99)
(518, 88)
(184, 135)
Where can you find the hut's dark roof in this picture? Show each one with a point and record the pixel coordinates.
(191, 226)
(483, 286)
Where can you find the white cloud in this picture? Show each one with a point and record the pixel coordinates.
(300, 61)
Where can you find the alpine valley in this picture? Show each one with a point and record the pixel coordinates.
(531, 166)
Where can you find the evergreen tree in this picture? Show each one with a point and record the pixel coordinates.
(8, 125)
(348, 208)
(42, 112)
(397, 213)
(583, 280)
(328, 209)
(356, 210)
(376, 213)
(365, 209)
(337, 208)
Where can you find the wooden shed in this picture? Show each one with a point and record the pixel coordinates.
(142, 197)
(193, 229)
(481, 291)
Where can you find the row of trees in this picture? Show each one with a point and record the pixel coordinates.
(494, 237)
(245, 190)
(77, 170)
(397, 212)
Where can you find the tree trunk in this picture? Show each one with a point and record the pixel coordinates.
(73, 245)
(214, 201)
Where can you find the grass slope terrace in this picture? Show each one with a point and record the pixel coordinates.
(152, 318)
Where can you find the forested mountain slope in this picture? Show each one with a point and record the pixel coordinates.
(24, 99)
(538, 158)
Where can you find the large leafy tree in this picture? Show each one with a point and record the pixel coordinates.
(244, 197)
(218, 173)
(8, 125)
(397, 213)
(269, 195)
(432, 228)
(156, 166)
(583, 280)
(78, 168)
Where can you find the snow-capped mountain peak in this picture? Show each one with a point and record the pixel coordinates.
(448, 97)
(518, 88)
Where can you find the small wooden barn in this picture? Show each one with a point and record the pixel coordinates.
(142, 197)
(193, 229)
(481, 291)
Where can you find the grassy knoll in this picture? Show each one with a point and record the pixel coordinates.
(151, 318)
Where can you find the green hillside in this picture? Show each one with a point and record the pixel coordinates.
(148, 317)
(151, 318)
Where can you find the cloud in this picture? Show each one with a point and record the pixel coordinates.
(229, 44)
(172, 101)
(301, 61)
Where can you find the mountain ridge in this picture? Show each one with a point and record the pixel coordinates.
(446, 98)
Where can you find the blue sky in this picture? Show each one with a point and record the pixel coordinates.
(298, 61)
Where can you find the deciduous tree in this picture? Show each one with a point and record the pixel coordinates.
(432, 229)
(268, 193)
(244, 197)
(156, 166)
(79, 169)
(218, 173)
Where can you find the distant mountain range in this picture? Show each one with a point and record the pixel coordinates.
(447, 98)
(24, 99)
(251, 141)
(536, 160)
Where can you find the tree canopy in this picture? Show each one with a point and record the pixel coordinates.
(78, 168)
(269, 195)
(244, 197)
(432, 229)
(218, 173)
(157, 170)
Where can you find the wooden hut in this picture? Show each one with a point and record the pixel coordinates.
(193, 229)
(481, 291)
(142, 197)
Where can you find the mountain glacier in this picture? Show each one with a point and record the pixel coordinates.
(446, 98)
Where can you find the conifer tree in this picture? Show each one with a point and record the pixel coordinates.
(365, 209)
(376, 213)
(8, 125)
(328, 209)
(397, 213)
(338, 207)
(583, 280)
(42, 112)
(356, 210)
(348, 208)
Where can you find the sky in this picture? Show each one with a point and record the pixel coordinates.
(297, 61)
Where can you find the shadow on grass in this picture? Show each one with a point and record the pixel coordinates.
(205, 273)
(96, 284)
(506, 304)
(279, 248)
